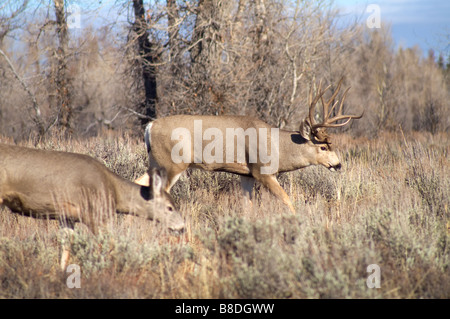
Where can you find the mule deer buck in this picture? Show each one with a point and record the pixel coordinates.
(166, 138)
(65, 186)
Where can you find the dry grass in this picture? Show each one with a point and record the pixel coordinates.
(389, 206)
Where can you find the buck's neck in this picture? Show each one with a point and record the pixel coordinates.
(295, 152)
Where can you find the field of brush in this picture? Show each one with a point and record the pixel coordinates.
(388, 206)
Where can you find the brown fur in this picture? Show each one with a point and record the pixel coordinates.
(64, 186)
(297, 149)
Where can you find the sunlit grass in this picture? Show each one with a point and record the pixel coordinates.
(388, 206)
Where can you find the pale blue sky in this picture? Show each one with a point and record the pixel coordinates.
(422, 22)
(413, 22)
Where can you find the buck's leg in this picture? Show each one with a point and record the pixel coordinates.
(270, 181)
(247, 184)
(66, 238)
(144, 180)
(172, 176)
(2, 182)
(69, 213)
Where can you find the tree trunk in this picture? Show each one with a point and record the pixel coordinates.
(62, 81)
(147, 58)
(260, 30)
(206, 34)
(173, 28)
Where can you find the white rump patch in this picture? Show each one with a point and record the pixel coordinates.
(147, 136)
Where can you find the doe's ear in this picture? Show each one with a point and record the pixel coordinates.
(305, 130)
(158, 180)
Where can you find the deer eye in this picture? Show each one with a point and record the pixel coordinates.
(323, 148)
(170, 209)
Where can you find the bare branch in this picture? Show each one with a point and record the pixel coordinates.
(37, 118)
(139, 115)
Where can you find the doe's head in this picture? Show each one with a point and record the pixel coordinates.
(164, 209)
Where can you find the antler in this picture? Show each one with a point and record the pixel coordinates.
(327, 122)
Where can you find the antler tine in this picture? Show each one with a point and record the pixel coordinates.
(327, 122)
(348, 117)
(335, 93)
(344, 96)
(314, 101)
(327, 114)
(320, 95)
(332, 108)
(340, 116)
(311, 106)
(326, 105)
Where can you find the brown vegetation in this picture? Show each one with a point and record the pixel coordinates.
(344, 222)
(389, 205)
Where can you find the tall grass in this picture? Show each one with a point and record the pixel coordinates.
(388, 206)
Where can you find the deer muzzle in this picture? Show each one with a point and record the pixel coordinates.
(335, 167)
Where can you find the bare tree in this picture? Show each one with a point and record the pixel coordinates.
(173, 27)
(10, 12)
(147, 57)
(37, 118)
(62, 80)
(205, 53)
(246, 57)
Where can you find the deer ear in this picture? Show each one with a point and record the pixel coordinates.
(158, 179)
(305, 130)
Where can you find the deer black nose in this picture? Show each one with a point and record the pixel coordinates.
(338, 166)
